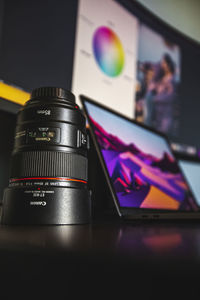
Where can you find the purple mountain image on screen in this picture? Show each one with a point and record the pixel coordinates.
(136, 175)
(110, 142)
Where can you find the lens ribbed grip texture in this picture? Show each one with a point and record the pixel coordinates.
(52, 92)
(49, 164)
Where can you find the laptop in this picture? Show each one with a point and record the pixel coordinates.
(191, 170)
(143, 175)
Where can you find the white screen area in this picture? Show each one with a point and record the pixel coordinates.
(106, 55)
(191, 171)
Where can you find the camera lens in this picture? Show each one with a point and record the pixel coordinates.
(48, 177)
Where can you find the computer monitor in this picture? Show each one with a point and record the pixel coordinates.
(129, 60)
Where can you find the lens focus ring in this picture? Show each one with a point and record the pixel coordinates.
(49, 164)
(52, 92)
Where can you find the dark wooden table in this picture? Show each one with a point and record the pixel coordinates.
(106, 255)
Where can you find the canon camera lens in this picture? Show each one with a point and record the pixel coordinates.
(48, 177)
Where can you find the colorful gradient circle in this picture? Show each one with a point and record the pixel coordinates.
(108, 51)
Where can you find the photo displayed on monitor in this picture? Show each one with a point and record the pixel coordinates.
(191, 169)
(158, 81)
(141, 167)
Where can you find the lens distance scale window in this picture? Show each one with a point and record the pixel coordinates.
(43, 134)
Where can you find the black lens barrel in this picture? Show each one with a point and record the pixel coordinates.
(49, 157)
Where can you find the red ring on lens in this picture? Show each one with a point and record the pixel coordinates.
(47, 178)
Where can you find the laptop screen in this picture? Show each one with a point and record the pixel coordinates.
(191, 169)
(139, 165)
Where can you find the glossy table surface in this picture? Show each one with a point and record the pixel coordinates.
(139, 240)
(107, 252)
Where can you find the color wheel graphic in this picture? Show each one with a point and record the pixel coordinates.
(108, 51)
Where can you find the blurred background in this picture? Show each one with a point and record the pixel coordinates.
(48, 43)
(181, 14)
